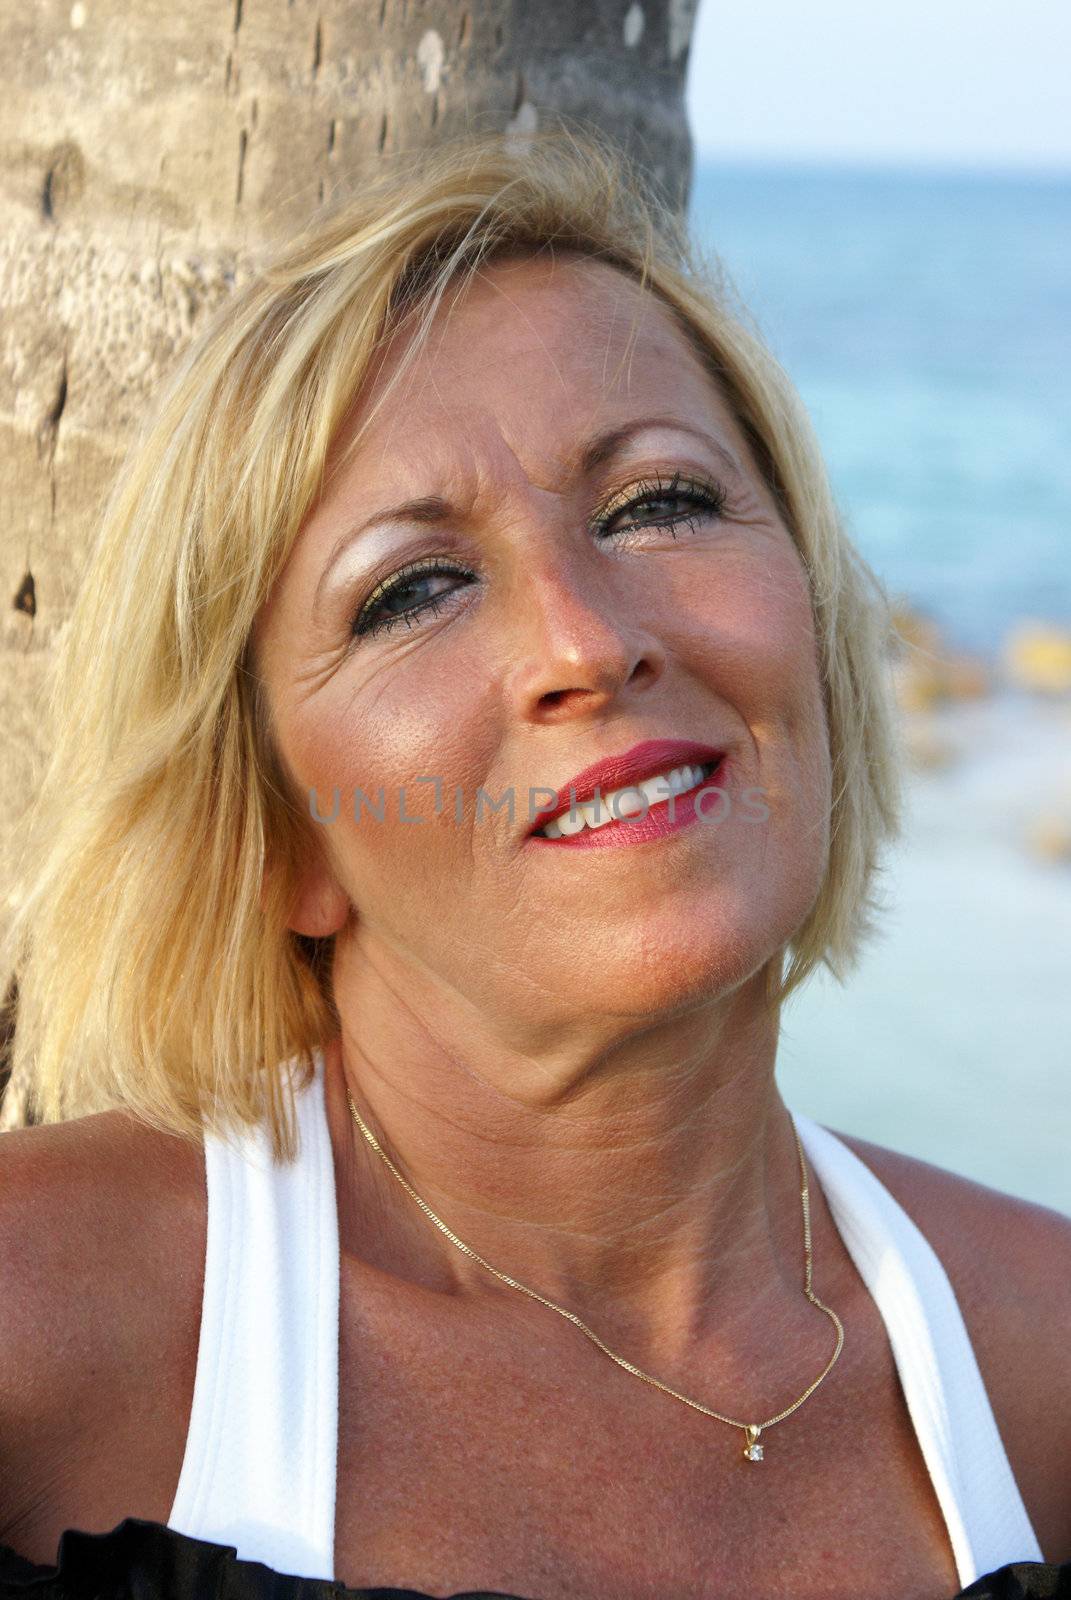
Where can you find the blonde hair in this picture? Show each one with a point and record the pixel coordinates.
(149, 974)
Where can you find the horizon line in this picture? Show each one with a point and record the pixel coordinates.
(1011, 167)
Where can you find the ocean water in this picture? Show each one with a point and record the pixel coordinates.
(926, 320)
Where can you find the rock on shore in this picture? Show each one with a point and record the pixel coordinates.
(931, 678)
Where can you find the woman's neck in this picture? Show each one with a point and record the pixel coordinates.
(648, 1181)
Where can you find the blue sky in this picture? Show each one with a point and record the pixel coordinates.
(947, 82)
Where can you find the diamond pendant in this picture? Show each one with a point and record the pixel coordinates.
(753, 1449)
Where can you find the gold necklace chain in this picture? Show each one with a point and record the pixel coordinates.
(753, 1451)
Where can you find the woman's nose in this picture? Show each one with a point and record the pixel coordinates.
(578, 640)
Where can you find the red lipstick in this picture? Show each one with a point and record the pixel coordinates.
(644, 760)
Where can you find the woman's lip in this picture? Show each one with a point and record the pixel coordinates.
(644, 760)
(661, 818)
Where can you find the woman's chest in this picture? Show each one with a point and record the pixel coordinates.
(465, 1468)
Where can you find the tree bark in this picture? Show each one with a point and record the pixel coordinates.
(146, 150)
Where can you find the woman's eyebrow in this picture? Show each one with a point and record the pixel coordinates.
(604, 446)
(430, 509)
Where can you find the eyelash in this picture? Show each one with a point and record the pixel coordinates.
(710, 501)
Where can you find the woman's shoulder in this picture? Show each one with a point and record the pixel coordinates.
(102, 1235)
(999, 1247)
(1009, 1263)
(95, 1202)
(94, 1214)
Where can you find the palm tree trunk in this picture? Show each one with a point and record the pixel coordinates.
(147, 149)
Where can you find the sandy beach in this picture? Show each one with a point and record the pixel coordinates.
(952, 1041)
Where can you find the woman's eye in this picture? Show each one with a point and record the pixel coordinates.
(412, 593)
(393, 602)
(660, 506)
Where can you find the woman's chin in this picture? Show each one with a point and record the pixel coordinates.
(645, 976)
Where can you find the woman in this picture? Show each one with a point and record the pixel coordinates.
(389, 1084)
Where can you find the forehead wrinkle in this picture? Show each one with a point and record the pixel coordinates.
(500, 291)
(609, 342)
(422, 353)
(400, 390)
(630, 349)
(645, 304)
(598, 315)
(430, 377)
(609, 322)
(643, 301)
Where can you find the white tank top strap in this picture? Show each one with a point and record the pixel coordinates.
(260, 1462)
(987, 1522)
(259, 1471)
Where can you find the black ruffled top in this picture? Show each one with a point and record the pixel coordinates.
(146, 1561)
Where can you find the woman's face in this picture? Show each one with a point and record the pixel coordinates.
(549, 623)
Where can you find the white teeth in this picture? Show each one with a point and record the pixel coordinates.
(592, 815)
(570, 822)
